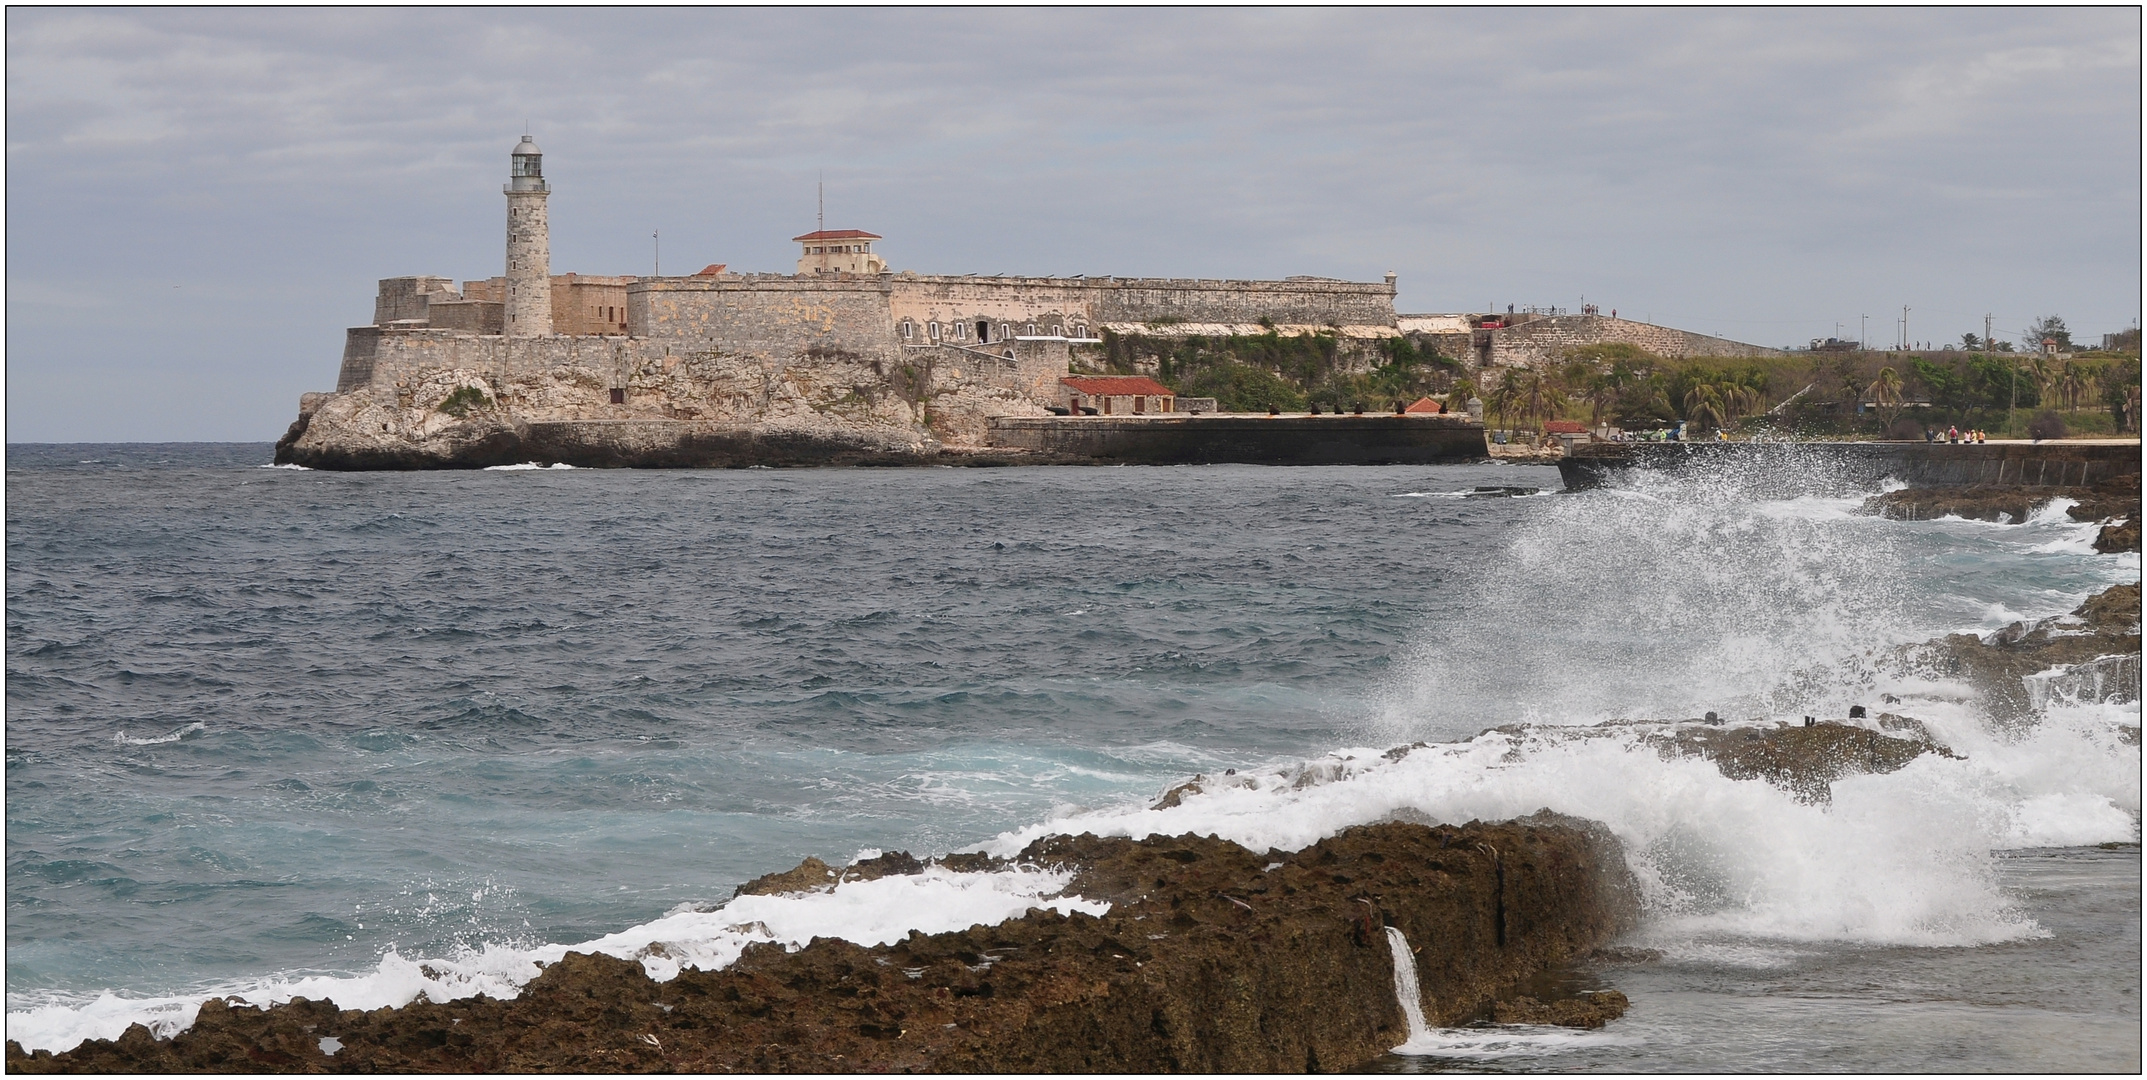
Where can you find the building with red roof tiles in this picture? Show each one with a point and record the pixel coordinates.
(1425, 405)
(1117, 395)
(839, 251)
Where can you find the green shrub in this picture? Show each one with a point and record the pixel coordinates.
(1244, 388)
(465, 400)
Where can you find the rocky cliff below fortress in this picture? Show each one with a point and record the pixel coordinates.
(671, 409)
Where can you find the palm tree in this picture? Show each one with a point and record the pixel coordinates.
(1886, 390)
(1506, 394)
(1541, 396)
(1458, 395)
(1852, 386)
(1599, 389)
(2071, 382)
(1740, 398)
(2040, 371)
(1703, 405)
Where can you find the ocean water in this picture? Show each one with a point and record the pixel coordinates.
(273, 731)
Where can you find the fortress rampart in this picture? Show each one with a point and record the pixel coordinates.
(765, 314)
(844, 354)
(1547, 339)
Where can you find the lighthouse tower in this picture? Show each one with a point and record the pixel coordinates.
(529, 244)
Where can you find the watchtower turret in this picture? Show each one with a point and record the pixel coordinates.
(529, 244)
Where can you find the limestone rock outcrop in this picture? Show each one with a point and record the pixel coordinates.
(2101, 634)
(703, 410)
(1212, 958)
(2115, 501)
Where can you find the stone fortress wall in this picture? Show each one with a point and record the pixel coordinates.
(1012, 332)
(919, 332)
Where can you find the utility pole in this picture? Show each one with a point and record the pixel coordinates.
(657, 236)
(1863, 331)
(822, 189)
(1904, 327)
(1988, 344)
(2012, 366)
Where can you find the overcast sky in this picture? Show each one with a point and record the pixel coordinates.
(199, 202)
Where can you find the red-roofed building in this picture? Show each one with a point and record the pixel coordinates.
(1564, 427)
(839, 251)
(1425, 406)
(711, 270)
(1117, 395)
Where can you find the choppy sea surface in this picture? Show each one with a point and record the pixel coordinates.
(274, 731)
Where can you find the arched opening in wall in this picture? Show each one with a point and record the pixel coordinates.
(983, 330)
(932, 329)
(909, 330)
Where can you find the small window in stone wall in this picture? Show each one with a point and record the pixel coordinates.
(618, 395)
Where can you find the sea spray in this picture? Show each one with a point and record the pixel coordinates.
(1662, 598)
(1902, 858)
(1405, 987)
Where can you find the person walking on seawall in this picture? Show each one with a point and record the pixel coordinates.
(1953, 434)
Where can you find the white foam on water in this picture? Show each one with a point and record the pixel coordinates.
(300, 468)
(877, 912)
(2053, 512)
(1500, 1041)
(1663, 599)
(1902, 858)
(526, 466)
(195, 728)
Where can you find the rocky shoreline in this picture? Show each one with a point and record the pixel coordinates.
(2115, 501)
(2101, 635)
(1212, 958)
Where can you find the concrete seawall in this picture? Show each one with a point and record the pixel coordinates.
(1810, 465)
(1373, 439)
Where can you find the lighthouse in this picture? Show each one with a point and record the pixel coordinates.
(529, 244)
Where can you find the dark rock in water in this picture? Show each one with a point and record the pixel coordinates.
(2106, 626)
(1804, 761)
(2119, 536)
(2116, 501)
(1211, 959)
(812, 874)
(1590, 1009)
(1981, 502)
(804, 877)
